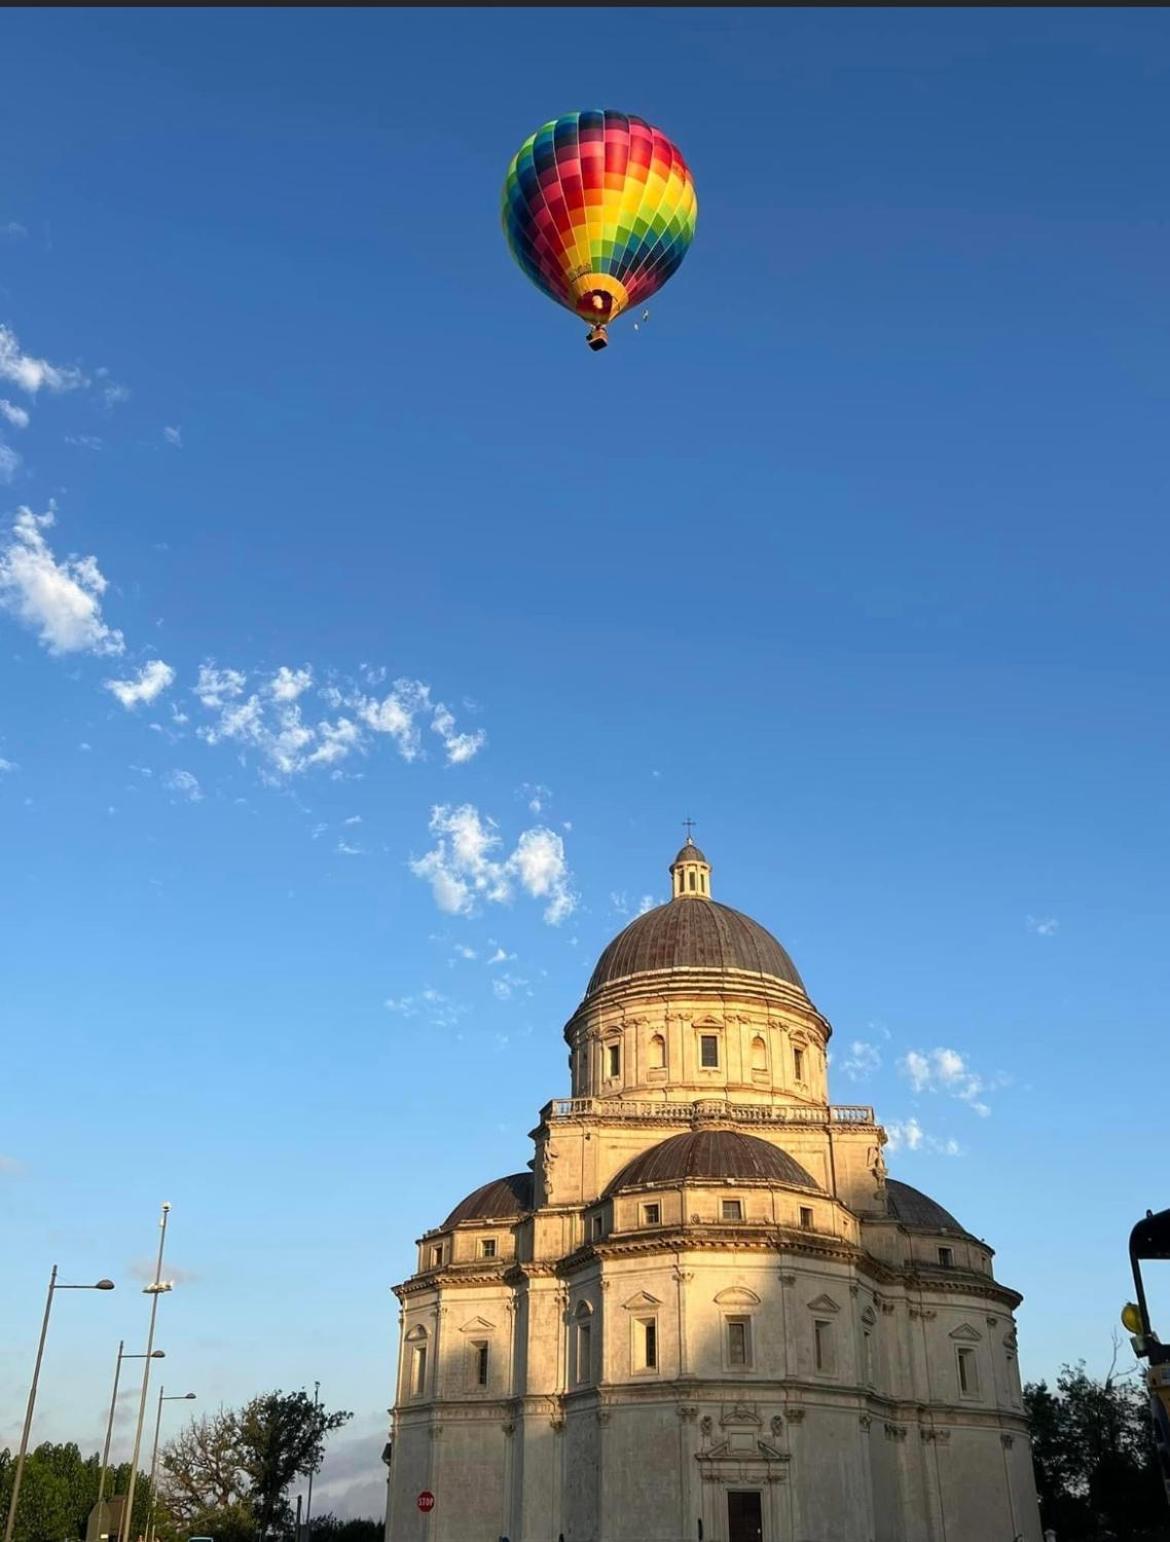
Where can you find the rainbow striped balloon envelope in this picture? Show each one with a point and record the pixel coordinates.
(599, 209)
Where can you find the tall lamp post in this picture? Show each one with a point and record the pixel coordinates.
(179, 1397)
(158, 1354)
(309, 1505)
(154, 1291)
(54, 1285)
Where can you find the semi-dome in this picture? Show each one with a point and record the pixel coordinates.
(914, 1208)
(693, 934)
(500, 1200)
(715, 1154)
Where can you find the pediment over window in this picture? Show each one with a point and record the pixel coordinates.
(737, 1295)
(416, 1334)
(823, 1304)
(640, 1301)
(967, 1333)
(478, 1325)
(707, 1021)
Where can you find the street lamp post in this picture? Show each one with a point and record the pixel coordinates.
(158, 1354)
(54, 1285)
(309, 1504)
(154, 1290)
(179, 1397)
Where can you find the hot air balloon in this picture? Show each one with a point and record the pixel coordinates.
(599, 210)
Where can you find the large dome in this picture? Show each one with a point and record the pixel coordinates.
(712, 1154)
(914, 1208)
(692, 933)
(500, 1200)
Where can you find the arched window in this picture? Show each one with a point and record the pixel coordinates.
(582, 1344)
(759, 1054)
(657, 1053)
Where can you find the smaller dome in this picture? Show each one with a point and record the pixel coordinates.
(689, 853)
(713, 1154)
(500, 1200)
(914, 1208)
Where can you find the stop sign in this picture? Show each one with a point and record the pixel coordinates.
(426, 1500)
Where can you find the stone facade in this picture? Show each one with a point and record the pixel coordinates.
(711, 1342)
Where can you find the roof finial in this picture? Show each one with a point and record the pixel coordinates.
(688, 826)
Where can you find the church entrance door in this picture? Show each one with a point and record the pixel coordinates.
(745, 1516)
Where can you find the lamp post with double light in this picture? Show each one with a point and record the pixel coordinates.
(54, 1285)
(157, 1288)
(157, 1354)
(178, 1397)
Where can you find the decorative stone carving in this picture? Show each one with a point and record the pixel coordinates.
(435, 1431)
(796, 1415)
(854, 1288)
(895, 1432)
(777, 1424)
(688, 1413)
(683, 1276)
(940, 1437)
(1007, 1441)
(603, 1416)
(706, 1424)
(557, 1425)
(864, 1420)
(787, 1277)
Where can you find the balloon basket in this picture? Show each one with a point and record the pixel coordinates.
(597, 338)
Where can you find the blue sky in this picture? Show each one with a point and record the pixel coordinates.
(856, 552)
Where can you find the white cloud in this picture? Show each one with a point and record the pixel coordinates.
(463, 951)
(862, 1061)
(61, 600)
(287, 684)
(17, 416)
(460, 747)
(13, 230)
(908, 1135)
(439, 1010)
(215, 686)
(538, 797)
(354, 819)
(1043, 926)
(153, 679)
(9, 462)
(397, 715)
(504, 985)
(464, 865)
(174, 436)
(647, 902)
(947, 1071)
(85, 441)
(7, 765)
(32, 374)
(186, 783)
(500, 957)
(344, 849)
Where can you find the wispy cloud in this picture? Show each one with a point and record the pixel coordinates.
(538, 796)
(908, 1135)
(152, 679)
(60, 600)
(186, 783)
(947, 1071)
(31, 374)
(465, 865)
(174, 436)
(862, 1060)
(438, 1010)
(13, 230)
(1043, 926)
(7, 765)
(9, 463)
(13, 414)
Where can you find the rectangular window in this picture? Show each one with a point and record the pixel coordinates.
(437, 1257)
(487, 1247)
(968, 1373)
(867, 1357)
(709, 1051)
(798, 1064)
(823, 1346)
(737, 1341)
(584, 1354)
(732, 1209)
(597, 1227)
(418, 1371)
(651, 1214)
(806, 1217)
(946, 1257)
(481, 1364)
(614, 1052)
(646, 1344)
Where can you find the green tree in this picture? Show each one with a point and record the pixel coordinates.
(282, 1437)
(1096, 1472)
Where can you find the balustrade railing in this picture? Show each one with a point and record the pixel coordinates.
(706, 1108)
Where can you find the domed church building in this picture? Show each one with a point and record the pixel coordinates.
(704, 1311)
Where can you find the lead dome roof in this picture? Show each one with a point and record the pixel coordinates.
(714, 1154)
(693, 933)
(501, 1199)
(914, 1208)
